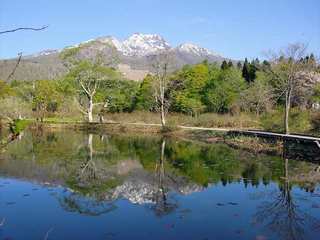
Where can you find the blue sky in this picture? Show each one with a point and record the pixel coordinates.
(235, 29)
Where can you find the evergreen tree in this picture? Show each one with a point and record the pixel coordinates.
(239, 65)
(252, 70)
(224, 65)
(230, 64)
(265, 63)
(245, 70)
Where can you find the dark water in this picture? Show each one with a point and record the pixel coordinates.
(69, 185)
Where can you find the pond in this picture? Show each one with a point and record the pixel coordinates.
(78, 185)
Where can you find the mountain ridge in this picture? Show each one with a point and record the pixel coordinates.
(135, 54)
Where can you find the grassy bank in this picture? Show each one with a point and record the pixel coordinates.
(301, 122)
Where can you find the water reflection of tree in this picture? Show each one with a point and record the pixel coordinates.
(76, 202)
(92, 177)
(90, 186)
(88, 170)
(282, 215)
(162, 205)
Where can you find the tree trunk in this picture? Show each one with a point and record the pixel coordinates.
(163, 119)
(90, 108)
(287, 112)
(90, 148)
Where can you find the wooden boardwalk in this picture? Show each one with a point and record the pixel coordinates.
(280, 136)
(256, 133)
(263, 134)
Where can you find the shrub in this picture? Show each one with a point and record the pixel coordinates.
(18, 125)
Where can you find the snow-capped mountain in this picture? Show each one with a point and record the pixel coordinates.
(149, 44)
(194, 49)
(144, 44)
(135, 56)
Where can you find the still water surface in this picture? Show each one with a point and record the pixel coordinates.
(76, 185)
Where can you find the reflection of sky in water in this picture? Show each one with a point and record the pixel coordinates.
(129, 191)
(218, 212)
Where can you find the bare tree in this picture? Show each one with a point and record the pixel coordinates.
(282, 214)
(257, 98)
(162, 205)
(89, 80)
(20, 54)
(161, 75)
(89, 74)
(289, 69)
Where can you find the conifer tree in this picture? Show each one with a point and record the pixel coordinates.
(239, 65)
(224, 65)
(245, 70)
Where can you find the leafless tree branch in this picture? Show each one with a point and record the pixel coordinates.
(15, 67)
(23, 28)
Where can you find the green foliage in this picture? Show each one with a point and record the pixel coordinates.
(18, 125)
(224, 65)
(222, 90)
(249, 70)
(5, 89)
(46, 96)
(187, 89)
(145, 99)
(187, 105)
(119, 95)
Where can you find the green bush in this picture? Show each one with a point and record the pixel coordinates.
(18, 125)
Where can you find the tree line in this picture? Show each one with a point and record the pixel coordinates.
(93, 88)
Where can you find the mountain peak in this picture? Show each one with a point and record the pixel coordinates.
(194, 49)
(140, 44)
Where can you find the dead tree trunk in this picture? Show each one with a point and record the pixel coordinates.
(287, 111)
(90, 109)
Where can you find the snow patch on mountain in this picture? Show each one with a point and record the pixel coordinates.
(194, 49)
(144, 44)
(45, 52)
(138, 44)
(141, 45)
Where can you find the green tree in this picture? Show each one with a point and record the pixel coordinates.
(88, 76)
(230, 64)
(239, 65)
(224, 65)
(188, 85)
(245, 71)
(46, 97)
(145, 99)
(119, 94)
(223, 90)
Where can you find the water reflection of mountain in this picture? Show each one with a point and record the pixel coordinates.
(112, 167)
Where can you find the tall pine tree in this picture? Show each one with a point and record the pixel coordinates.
(224, 65)
(239, 65)
(245, 70)
(230, 64)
